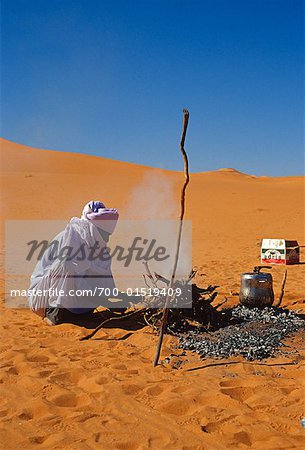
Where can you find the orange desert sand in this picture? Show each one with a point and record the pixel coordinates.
(59, 393)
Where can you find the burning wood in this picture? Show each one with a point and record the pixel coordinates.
(197, 311)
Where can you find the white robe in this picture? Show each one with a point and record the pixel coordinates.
(76, 274)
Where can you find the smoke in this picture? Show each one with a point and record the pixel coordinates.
(152, 213)
(153, 199)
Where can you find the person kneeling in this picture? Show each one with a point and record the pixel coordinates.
(68, 267)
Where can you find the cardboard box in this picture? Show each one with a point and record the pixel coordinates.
(280, 251)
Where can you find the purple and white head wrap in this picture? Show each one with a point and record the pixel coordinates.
(97, 213)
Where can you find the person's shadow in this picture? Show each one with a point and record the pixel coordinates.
(117, 320)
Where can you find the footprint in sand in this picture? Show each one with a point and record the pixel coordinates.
(66, 400)
(73, 358)
(101, 380)
(288, 390)
(215, 426)
(154, 391)
(44, 373)
(12, 371)
(132, 372)
(98, 437)
(241, 394)
(230, 383)
(26, 414)
(37, 358)
(83, 417)
(66, 378)
(131, 389)
(119, 367)
(37, 439)
(180, 389)
(243, 438)
(178, 407)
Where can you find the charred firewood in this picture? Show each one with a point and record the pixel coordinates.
(193, 309)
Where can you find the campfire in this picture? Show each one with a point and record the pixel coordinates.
(197, 313)
(205, 328)
(254, 333)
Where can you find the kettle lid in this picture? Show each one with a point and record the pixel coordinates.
(257, 269)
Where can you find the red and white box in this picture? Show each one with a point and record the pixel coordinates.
(280, 251)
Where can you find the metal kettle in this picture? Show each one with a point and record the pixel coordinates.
(256, 288)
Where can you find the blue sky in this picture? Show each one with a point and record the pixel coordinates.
(111, 79)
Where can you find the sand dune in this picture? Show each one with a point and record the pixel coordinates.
(57, 392)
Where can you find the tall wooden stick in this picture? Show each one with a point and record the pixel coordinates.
(182, 206)
(282, 289)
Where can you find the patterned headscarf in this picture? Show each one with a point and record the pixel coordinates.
(102, 217)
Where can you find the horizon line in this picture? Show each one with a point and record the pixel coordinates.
(218, 170)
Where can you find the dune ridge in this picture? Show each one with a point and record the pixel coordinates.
(27, 161)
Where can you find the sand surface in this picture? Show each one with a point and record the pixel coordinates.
(59, 393)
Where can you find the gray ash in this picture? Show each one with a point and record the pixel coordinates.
(252, 333)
